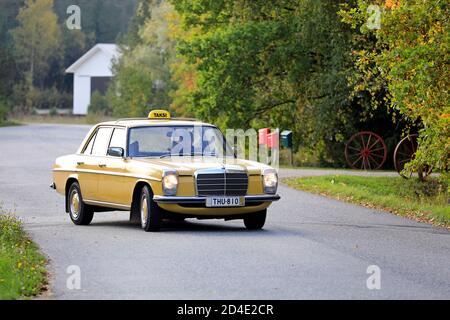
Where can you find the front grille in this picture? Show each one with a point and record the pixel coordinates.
(222, 184)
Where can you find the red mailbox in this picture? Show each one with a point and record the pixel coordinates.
(272, 140)
(263, 134)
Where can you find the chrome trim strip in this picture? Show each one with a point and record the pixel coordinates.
(106, 173)
(106, 204)
(225, 182)
(202, 200)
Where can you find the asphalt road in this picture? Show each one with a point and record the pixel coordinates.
(312, 247)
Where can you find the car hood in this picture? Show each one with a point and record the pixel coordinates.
(188, 165)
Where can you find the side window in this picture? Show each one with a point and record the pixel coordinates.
(101, 142)
(88, 149)
(118, 139)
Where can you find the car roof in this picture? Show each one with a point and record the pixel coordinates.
(153, 122)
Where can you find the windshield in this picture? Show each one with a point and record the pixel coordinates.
(166, 141)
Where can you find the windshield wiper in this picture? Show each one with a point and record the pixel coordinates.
(193, 154)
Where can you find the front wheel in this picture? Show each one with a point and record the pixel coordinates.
(80, 213)
(255, 221)
(150, 212)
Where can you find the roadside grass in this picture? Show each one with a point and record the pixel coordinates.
(58, 119)
(9, 124)
(425, 202)
(22, 267)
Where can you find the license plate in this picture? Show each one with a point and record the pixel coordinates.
(220, 202)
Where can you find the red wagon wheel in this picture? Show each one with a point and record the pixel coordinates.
(404, 153)
(365, 150)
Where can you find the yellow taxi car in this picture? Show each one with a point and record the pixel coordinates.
(163, 168)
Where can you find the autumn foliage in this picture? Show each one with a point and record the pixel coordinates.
(409, 58)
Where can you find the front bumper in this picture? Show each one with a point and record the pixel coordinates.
(202, 200)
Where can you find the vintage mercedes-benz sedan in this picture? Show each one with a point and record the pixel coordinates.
(163, 168)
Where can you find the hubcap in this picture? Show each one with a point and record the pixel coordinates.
(144, 210)
(75, 204)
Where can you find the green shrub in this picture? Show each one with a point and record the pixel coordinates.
(304, 157)
(4, 109)
(27, 100)
(53, 111)
(99, 105)
(94, 117)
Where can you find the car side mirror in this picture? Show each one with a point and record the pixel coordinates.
(116, 152)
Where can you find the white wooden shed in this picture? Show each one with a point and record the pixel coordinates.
(92, 72)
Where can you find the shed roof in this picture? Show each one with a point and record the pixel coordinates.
(110, 49)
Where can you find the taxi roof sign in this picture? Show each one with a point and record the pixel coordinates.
(159, 114)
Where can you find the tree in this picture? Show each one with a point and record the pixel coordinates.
(8, 74)
(102, 21)
(136, 87)
(281, 63)
(409, 58)
(142, 75)
(37, 42)
(35, 47)
(142, 14)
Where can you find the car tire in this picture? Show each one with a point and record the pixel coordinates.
(135, 214)
(255, 221)
(150, 213)
(80, 213)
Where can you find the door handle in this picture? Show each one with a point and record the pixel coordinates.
(80, 163)
(102, 165)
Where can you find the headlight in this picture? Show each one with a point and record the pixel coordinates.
(170, 183)
(270, 181)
